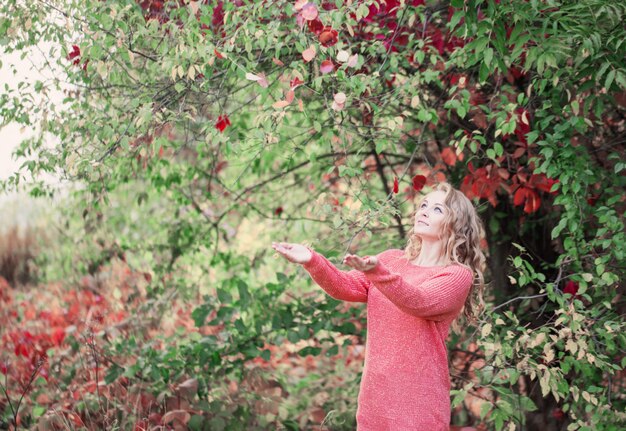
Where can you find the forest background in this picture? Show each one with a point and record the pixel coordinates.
(192, 134)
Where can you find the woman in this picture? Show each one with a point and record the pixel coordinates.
(412, 296)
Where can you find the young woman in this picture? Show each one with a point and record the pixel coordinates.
(413, 296)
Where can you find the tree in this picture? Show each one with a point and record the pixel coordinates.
(211, 113)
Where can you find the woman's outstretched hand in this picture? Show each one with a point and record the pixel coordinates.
(295, 253)
(361, 263)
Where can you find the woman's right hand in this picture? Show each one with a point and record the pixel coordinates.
(296, 253)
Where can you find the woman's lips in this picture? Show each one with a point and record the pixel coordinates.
(422, 222)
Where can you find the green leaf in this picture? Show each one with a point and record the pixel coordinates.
(498, 148)
(113, 373)
(483, 73)
(423, 115)
(244, 294)
(266, 354)
(334, 350)
(609, 79)
(196, 423)
(224, 296)
(309, 350)
(488, 56)
(38, 411)
(484, 409)
(200, 314)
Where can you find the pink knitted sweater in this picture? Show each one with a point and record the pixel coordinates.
(405, 383)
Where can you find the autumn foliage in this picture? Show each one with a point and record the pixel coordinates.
(200, 131)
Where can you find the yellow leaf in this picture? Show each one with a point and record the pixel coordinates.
(194, 6)
(340, 98)
(308, 53)
(350, 29)
(540, 338)
(525, 118)
(486, 330)
(342, 56)
(280, 104)
(586, 396)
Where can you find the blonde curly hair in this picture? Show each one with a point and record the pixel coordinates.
(462, 231)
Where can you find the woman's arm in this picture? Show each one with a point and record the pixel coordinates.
(439, 297)
(350, 286)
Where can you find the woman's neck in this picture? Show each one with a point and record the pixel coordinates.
(431, 254)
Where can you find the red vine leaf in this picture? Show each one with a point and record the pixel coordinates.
(418, 182)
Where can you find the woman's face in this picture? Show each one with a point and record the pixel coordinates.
(430, 215)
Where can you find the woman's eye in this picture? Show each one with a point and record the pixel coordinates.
(439, 209)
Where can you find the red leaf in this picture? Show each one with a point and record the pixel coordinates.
(558, 414)
(591, 200)
(519, 197)
(522, 125)
(396, 186)
(181, 416)
(529, 198)
(222, 122)
(58, 335)
(278, 211)
(74, 53)
(280, 104)
(218, 54)
(315, 26)
(449, 156)
(571, 287)
(290, 96)
(327, 66)
(543, 183)
(418, 182)
(308, 54)
(328, 36)
(295, 83)
(309, 11)
(519, 152)
(21, 349)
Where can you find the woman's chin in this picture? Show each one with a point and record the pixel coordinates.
(424, 234)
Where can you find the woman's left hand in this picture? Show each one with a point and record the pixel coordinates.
(361, 263)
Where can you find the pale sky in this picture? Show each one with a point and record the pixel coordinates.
(19, 207)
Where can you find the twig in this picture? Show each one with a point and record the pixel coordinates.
(519, 297)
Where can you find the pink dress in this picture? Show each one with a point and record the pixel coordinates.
(405, 383)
